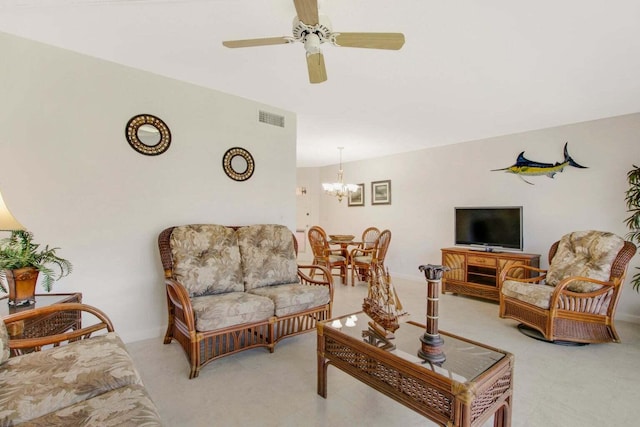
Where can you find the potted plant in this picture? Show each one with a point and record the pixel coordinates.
(21, 261)
(633, 206)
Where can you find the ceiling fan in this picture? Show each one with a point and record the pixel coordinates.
(313, 29)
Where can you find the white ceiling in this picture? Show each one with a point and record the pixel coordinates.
(470, 69)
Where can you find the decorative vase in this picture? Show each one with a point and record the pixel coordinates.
(22, 285)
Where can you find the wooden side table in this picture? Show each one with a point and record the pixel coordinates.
(43, 325)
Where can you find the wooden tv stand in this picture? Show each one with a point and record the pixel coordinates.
(477, 273)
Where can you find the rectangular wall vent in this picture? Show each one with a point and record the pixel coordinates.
(270, 118)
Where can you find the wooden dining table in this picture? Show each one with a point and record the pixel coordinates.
(344, 246)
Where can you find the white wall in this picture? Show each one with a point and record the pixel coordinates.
(427, 184)
(69, 175)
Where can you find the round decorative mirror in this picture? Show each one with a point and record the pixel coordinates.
(238, 164)
(148, 134)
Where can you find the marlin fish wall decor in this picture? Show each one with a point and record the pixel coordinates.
(524, 166)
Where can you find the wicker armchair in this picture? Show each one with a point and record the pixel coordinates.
(323, 254)
(575, 299)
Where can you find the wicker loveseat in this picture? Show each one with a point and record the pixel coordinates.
(90, 381)
(232, 288)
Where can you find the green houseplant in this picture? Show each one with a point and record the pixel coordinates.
(22, 259)
(633, 207)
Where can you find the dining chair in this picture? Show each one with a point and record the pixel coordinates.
(363, 259)
(367, 242)
(324, 255)
(383, 246)
(369, 237)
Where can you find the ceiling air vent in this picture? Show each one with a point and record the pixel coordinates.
(270, 118)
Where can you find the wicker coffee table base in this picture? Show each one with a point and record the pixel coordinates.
(437, 397)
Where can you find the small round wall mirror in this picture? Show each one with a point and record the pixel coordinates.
(148, 134)
(238, 164)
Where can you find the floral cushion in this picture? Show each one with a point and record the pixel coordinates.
(587, 254)
(268, 255)
(4, 343)
(294, 298)
(128, 406)
(229, 309)
(536, 294)
(35, 384)
(206, 259)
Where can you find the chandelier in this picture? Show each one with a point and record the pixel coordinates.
(339, 188)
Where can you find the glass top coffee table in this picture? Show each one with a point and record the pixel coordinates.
(471, 385)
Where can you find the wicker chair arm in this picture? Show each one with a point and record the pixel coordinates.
(562, 286)
(75, 309)
(537, 279)
(178, 297)
(361, 252)
(561, 290)
(306, 279)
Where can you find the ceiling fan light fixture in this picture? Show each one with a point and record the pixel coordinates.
(312, 44)
(322, 29)
(313, 29)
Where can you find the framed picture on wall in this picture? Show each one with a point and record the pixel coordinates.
(381, 192)
(356, 198)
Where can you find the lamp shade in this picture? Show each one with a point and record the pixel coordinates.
(7, 221)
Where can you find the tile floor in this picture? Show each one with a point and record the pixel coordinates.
(594, 385)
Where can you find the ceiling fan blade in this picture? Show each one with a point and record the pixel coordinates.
(317, 70)
(392, 41)
(257, 42)
(307, 11)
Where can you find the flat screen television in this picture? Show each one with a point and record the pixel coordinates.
(489, 227)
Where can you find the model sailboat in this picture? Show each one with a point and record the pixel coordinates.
(382, 303)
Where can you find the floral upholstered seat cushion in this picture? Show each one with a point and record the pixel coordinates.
(219, 311)
(294, 298)
(206, 259)
(38, 383)
(268, 255)
(128, 406)
(587, 254)
(536, 294)
(4, 343)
